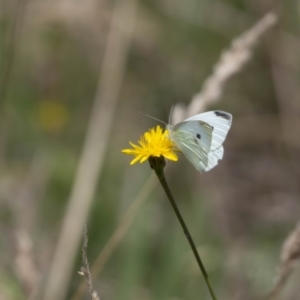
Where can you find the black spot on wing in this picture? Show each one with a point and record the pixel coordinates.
(222, 115)
(198, 136)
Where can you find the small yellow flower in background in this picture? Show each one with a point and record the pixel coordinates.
(154, 142)
(52, 115)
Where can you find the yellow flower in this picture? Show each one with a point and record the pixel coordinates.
(53, 115)
(155, 143)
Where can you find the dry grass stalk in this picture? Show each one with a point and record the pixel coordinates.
(29, 191)
(12, 46)
(25, 265)
(289, 260)
(85, 269)
(230, 62)
(7, 67)
(94, 148)
(119, 233)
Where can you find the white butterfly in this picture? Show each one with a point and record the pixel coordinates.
(200, 138)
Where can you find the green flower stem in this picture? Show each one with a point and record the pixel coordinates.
(157, 164)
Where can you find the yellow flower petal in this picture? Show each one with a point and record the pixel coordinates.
(135, 160)
(154, 142)
(171, 156)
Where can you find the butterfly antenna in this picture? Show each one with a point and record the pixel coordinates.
(153, 118)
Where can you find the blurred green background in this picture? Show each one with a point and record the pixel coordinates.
(53, 61)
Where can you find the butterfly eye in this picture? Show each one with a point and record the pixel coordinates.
(198, 136)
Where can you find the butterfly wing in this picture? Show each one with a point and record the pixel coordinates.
(193, 138)
(220, 121)
(213, 158)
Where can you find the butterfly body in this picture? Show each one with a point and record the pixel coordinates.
(200, 138)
